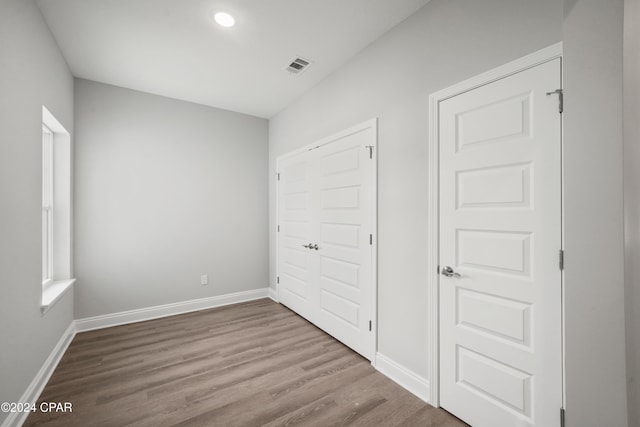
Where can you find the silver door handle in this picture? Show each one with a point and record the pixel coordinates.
(449, 272)
(315, 246)
(309, 246)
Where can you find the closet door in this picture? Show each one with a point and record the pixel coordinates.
(297, 264)
(326, 218)
(345, 247)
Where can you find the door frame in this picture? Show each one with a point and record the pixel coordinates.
(433, 222)
(371, 123)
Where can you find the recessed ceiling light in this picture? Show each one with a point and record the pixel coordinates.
(224, 19)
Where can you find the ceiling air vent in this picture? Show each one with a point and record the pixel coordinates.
(298, 65)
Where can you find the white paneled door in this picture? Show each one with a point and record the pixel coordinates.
(500, 238)
(296, 270)
(326, 218)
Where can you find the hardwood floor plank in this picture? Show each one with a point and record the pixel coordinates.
(249, 364)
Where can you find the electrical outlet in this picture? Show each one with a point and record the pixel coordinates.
(204, 279)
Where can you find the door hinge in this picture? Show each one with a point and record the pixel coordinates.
(278, 279)
(370, 147)
(370, 326)
(561, 259)
(371, 239)
(561, 417)
(560, 94)
(278, 228)
(278, 174)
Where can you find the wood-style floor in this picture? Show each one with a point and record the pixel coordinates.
(249, 364)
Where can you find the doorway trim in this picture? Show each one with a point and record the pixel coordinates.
(433, 222)
(373, 124)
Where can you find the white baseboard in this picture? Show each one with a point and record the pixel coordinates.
(149, 313)
(32, 393)
(408, 379)
(273, 294)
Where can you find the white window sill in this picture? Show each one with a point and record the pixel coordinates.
(52, 292)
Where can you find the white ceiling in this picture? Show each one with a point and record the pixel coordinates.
(173, 48)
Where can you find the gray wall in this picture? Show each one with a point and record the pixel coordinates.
(165, 191)
(443, 43)
(594, 283)
(632, 201)
(33, 73)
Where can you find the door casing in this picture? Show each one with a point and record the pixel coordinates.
(433, 223)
